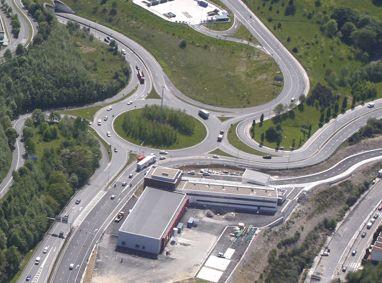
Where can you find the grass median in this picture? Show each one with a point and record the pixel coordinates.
(212, 71)
(236, 142)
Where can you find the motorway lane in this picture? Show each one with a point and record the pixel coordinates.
(348, 233)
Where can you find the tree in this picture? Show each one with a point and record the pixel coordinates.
(261, 120)
(272, 135)
(38, 117)
(331, 28)
(183, 44)
(344, 104)
(20, 50)
(7, 55)
(279, 109)
(11, 136)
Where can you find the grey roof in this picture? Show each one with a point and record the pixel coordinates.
(152, 213)
(164, 174)
(255, 177)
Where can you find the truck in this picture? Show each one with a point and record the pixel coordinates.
(141, 77)
(145, 162)
(204, 114)
(220, 137)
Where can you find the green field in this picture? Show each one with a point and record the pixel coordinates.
(212, 71)
(183, 141)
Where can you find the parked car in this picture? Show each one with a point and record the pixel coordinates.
(119, 217)
(29, 277)
(363, 235)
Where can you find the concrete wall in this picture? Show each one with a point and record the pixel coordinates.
(139, 243)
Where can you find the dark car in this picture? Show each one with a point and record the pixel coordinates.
(78, 201)
(267, 156)
(363, 235)
(29, 277)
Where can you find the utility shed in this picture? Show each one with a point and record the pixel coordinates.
(255, 177)
(148, 227)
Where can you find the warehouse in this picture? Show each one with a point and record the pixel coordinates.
(149, 226)
(163, 178)
(231, 195)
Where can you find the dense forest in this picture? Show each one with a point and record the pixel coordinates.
(57, 70)
(42, 187)
(158, 126)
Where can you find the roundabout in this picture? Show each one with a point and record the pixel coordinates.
(165, 128)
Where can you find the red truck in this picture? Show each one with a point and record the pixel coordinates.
(141, 77)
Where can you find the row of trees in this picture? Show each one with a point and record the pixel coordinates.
(158, 126)
(41, 188)
(372, 128)
(14, 18)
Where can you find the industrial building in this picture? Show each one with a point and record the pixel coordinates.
(163, 178)
(149, 226)
(232, 195)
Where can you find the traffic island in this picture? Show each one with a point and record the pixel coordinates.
(157, 127)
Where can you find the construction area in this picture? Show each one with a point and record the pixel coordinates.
(191, 12)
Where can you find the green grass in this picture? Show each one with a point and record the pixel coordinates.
(236, 142)
(212, 71)
(243, 33)
(104, 143)
(153, 95)
(183, 141)
(219, 26)
(291, 128)
(102, 63)
(218, 151)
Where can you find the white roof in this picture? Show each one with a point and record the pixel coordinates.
(209, 274)
(256, 177)
(218, 263)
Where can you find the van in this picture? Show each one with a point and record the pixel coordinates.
(37, 260)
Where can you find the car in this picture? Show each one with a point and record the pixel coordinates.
(45, 250)
(37, 260)
(105, 118)
(292, 99)
(354, 252)
(375, 216)
(115, 150)
(107, 40)
(137, 68)
(363, 235)
(99, 122)
(220, 254)
(372, 220)
(370, 105)
(109, 108)
(78, 201)
(129, 102)
(71, 266)
(191, 173)
(162, 158)
(112, 197)
(343, 268)
(29, 277)
(119, 217)
(215, 156)
(124, 183)
(163, 152)
(61, 235)
(108, 134)
(267, 156)
(221, 132)
(131, 175)
(123, 51)
(90, 123)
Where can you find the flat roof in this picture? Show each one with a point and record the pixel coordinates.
(164, 173)
(226, 187)
(152, 213)
(256, 176)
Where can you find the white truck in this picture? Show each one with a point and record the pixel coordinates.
(145, 162)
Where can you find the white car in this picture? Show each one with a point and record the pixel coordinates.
(71, 266)
(105, 118)
(109, 108)
(123, 51)
(163, 152)
(370, 105)
(129, 102)
(162, 158)
(124, 183)
(108, 134)
(37, 260)
(90, 123)
(45, 250)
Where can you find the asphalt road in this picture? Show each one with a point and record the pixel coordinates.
(348, 238)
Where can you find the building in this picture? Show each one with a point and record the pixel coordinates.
(231, 195)
(149, 226)
(163, 178)
(255, 177)
(376, 249)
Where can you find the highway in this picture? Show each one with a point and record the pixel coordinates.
(88, 220)
(348, 238)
